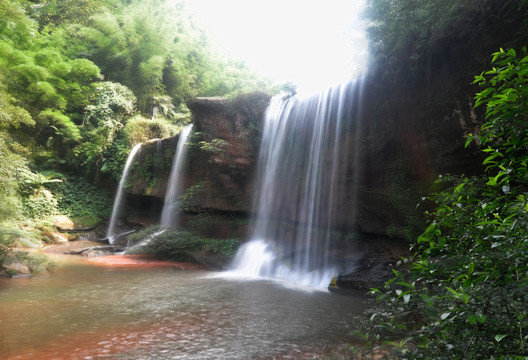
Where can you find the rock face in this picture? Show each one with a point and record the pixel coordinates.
(230, 138)
(221, 158)
(409, 138)
(405, 141)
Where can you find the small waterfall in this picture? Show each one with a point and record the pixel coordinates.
(174, 188)
(303, 166)
(110, 234)
(159, 144)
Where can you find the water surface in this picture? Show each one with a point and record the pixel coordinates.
(83, 311)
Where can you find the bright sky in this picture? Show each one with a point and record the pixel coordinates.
(313, 43)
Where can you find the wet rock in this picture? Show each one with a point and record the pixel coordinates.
(95, 252)
(213, 261)
(63, 223)
(366, 278)
(12, 265)
(70, 246)
(89, 236)
(55, 237)
(400, 151)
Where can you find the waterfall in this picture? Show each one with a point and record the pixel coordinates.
(174, 187)
(299, 185)
(111, 232)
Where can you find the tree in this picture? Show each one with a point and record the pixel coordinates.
(407, 36)
(465, 293)
(58, 12)
(114, 104)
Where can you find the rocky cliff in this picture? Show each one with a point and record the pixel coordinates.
(411, 130)
(405, 141)
(222, 153)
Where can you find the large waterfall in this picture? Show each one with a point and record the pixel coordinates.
(303, 166)
(111, 231)
(169, 214)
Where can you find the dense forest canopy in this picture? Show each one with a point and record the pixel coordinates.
(82, 81)
(413, 38)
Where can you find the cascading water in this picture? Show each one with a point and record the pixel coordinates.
(174, 188)
(111, 232)
(300, 177)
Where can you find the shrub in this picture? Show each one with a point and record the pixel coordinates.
(140, 129)
(40, 205)
(77, 198)
(7, 243)
(463, 292)
(177, 245)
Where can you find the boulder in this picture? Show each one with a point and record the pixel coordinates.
(55, 237)
(63, 223)
(13, 266)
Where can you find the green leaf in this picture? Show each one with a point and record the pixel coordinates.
(427, 299)
(464, 298)
(474, 318)
(453, 292)
(471, 268)
(498, 338)
(403, 283)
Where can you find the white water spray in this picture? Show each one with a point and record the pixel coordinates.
(302, 171)
(169, 216)
(110, 234)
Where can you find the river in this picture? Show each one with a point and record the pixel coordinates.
(83, 311)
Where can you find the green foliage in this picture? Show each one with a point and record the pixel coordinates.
(40, 205)
(216, 147)
(463, 292)
(178, 245)
(408, 35)
(140, 129)
(503, 136)
(61, 123)
(11, 115)
(35, 262)
(162, 106)
(113, 104)
(78, 198)
(15, 26)
(7, 243)
(12, 168)
(56, 12)
(191, 200)
(103, 122)
(57, 113)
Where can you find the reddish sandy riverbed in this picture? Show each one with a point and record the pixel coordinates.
(140, 261)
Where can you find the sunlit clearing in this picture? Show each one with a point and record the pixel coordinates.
(314, 44)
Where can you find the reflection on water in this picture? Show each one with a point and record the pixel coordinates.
(88, 312)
